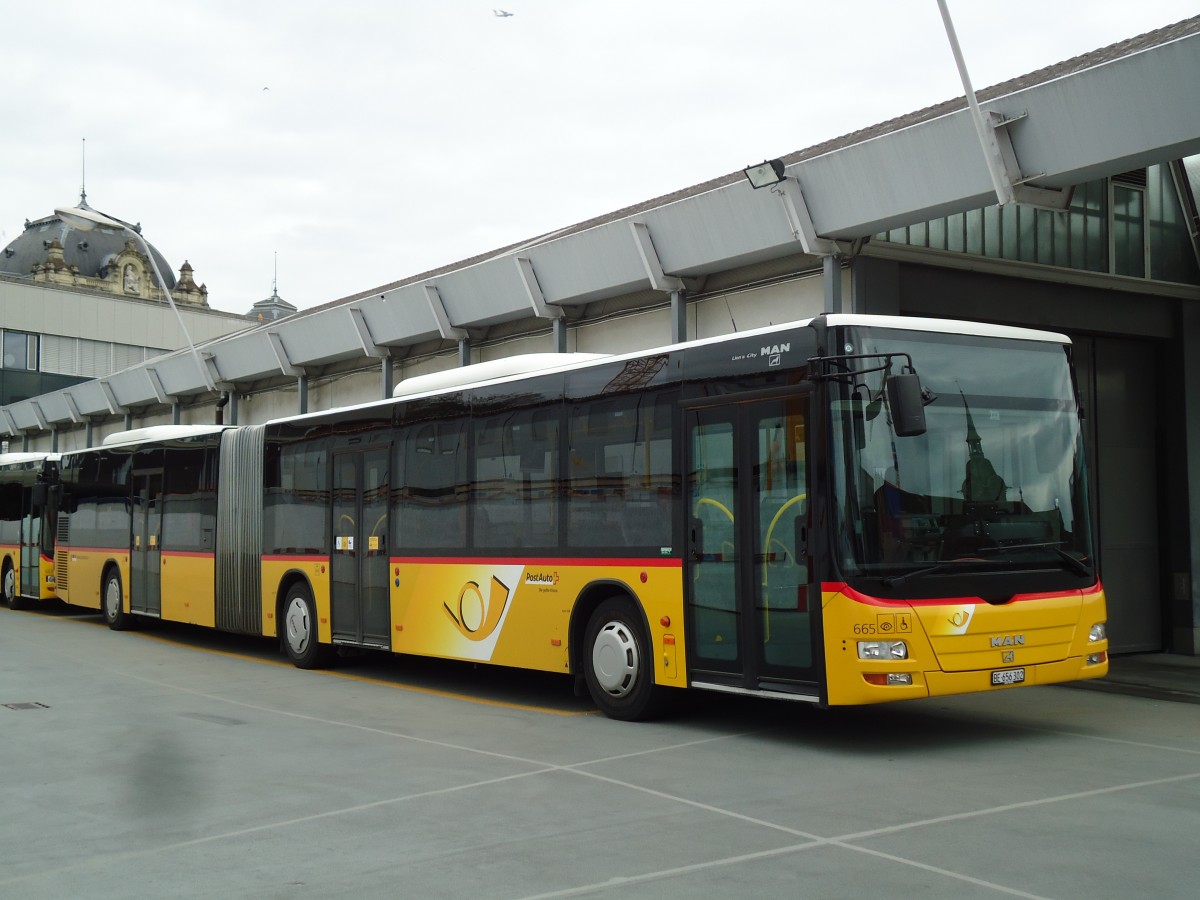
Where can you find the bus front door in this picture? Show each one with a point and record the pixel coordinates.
(359, 567)
(747, 571)
(145, 552)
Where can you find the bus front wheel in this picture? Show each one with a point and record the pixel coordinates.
(618, 667)
(300, 630)
(114, 606)
(12, 599)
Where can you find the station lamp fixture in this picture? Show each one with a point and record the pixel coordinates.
(765, 174)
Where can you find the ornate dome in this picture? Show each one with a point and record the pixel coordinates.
(92, 253)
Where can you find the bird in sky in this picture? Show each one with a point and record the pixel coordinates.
(502, 13)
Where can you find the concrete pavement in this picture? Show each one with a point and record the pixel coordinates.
(177, 762)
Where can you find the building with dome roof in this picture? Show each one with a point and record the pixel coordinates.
(79, 304)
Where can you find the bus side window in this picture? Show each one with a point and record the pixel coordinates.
(432, 480)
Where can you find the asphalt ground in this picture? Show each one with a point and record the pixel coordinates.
(176, 762)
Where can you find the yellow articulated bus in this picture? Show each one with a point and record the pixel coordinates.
(27, 523)
(842, 510)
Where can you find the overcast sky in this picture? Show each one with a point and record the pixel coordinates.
(363, 142)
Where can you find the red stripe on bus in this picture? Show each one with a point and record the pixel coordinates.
(630, 562)
(119, 550)
(866, 599)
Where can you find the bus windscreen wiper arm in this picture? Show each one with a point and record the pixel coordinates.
(1078, 566)
(1075, 565)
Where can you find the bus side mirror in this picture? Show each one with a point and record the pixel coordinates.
(39, 494)
(907, 404)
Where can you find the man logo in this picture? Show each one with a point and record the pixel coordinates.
(1008, 640)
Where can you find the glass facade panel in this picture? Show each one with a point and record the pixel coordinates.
(1117, 227)
(937, 234)
(1172, 254)
(1095, 227)
(955, 233)
(973, 231)
(991, 232)
(1026, 233)
(1128, 231)
(1010, 245)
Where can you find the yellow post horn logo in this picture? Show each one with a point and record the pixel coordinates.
(478, 617)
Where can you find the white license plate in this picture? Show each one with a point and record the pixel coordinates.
(1008, 676)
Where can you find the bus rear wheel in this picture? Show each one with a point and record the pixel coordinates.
(113, 602)
(618, 666)
(300, 630)
(12, 599)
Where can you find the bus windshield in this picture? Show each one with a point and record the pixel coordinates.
(995, 484)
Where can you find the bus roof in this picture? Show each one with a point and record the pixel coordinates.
(23, 460)
(160, 433)
(492, 369)
(945, 326)
(479, 374)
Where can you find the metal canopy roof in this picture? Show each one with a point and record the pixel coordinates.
(1074, 122)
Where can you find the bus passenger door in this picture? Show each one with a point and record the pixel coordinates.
(145, 556)
(747, 570)
(359, 567)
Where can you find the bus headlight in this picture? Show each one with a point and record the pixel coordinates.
(882, 650)
(1098, 633)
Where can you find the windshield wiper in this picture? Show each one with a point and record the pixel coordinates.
(897, 580)
(1075, 565)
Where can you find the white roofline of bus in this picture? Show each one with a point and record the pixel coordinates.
(160, 433)
(19, 458)
(492, 370)
(947, 326)
(582, 360)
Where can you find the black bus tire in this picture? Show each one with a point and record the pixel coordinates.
(112, 602)
(618, 664)
(12, 599)
(299, 635)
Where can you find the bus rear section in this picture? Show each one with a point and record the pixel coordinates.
(138, 525)
(27, 527)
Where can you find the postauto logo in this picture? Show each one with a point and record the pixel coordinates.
(475, 615)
